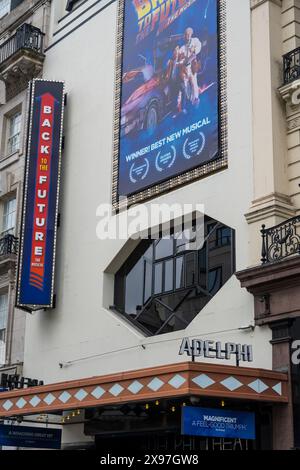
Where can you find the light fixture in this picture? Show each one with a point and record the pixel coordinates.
(173, 409)
(194, 400)
(157, 402)
(147, 406)
(222, 403)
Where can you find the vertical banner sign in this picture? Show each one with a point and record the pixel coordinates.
(169, 122)
(41, 190)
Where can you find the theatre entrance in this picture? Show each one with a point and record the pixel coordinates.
(156, 427)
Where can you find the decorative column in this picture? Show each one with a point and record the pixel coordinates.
(290, 94)
(271, 202)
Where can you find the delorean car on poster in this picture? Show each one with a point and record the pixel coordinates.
(169, 93)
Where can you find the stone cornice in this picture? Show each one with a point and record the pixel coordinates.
(275, 287)
(264, 277)
(290, 93)
(256, 3)
(272, 205)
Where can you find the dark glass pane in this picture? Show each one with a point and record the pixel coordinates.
(223, 236)
(202, 267)
(183, 240)
(164, 248)
(134, 288)
(210, 227)
(148, 280)
(175, 324)
(179, 273)
(190, 269)
(185, 313)
(2, 335)
(148, 256)
(192, 305)
(172, 299)
(211, 236)
(214, 280)
(154, 317)
(169, 275)
(179, 239)
(15, 3)
(158, 278)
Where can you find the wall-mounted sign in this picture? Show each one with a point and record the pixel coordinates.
(216, 350)
(169, 91)
(209, 422)
(15, 381)
(34, 437)
(35, 287)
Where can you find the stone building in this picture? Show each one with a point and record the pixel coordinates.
(109, 352)
(24, 26)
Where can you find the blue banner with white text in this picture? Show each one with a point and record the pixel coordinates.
(209, 422)
(33, 437)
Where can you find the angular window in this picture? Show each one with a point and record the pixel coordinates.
(164, 284)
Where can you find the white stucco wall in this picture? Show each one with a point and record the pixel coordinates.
(80, 326)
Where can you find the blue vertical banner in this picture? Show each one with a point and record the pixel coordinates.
(169, 122)
(35, 282)
(211, 422)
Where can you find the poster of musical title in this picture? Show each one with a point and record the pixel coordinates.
(169, 97)
(36, 267)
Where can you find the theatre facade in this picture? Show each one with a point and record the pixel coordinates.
(135, 249)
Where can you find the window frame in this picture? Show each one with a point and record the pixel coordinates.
(201, 263)
(11, 147)
(6, 11)
(5, 230)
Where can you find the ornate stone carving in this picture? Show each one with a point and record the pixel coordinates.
(290, 93)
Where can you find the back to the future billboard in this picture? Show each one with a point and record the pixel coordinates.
(169, 117)
(35, 280)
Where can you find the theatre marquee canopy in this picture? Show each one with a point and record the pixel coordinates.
(170, 381)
